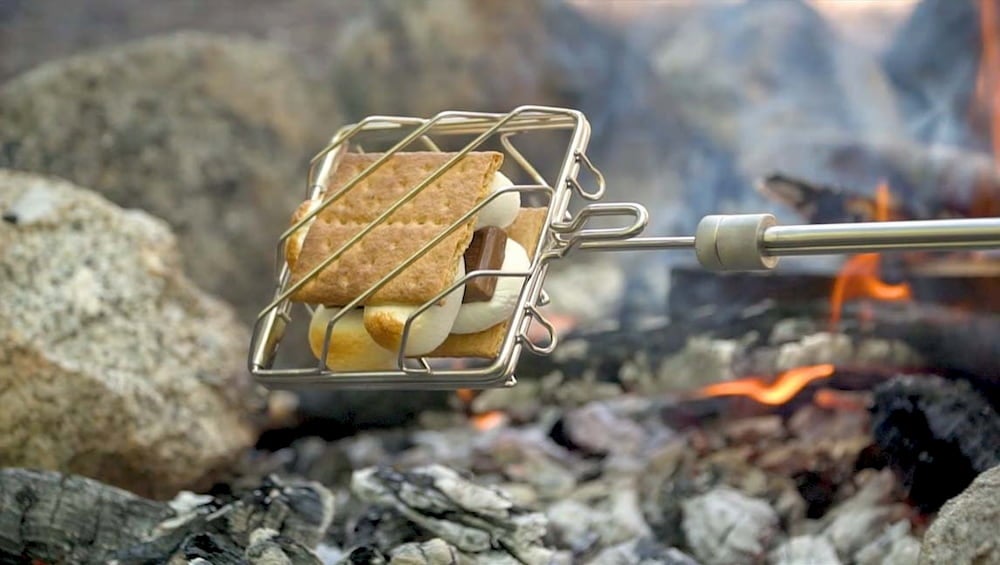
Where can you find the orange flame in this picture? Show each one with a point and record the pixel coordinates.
(779, 391)
(988, 78)
(859, 277)
(489, 420)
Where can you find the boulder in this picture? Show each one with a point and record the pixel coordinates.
(410, 58)
(113, 364)
(965, 530)
(209, 132)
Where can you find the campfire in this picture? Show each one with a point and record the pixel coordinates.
(839, 409)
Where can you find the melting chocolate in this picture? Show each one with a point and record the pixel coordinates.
(485, 253)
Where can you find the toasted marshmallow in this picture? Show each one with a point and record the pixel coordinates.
(429, 330)
(351, 348)
(501, 211)
(478, 316)
(293, 246)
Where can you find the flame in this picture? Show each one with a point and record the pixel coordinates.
(988, 77)
(859, 277)
(488, 420)
(778, 391)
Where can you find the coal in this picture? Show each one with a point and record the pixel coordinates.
(938, 435)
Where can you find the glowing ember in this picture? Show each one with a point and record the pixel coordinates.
(778, 391)
(465, 395)
(830, 399)
(859, 277)
(488, 420)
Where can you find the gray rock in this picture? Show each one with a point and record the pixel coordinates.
(725, 526)
(965, 530)
(113, 364)
(210, 133)
(504, 54)
(804, 550)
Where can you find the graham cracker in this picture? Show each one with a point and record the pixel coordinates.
(486, 343)
(399, 237)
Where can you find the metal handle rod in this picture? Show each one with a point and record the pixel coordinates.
(917, 235)
(753, 241)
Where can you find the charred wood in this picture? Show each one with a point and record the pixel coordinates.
(937, 434)
(54, 518)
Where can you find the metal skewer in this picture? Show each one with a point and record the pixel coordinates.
(754, 241)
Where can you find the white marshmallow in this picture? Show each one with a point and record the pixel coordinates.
(429, 330)
(478, 316)
(501, 211)
(351, 348)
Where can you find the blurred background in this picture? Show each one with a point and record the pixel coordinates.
(205, 114)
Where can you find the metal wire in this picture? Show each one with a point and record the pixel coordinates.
(269, 329)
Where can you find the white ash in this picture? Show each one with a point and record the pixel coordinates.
(802, 550)
(725, 526)
(702, 361)
(894, 547)
(608, 514)
(473, 518)
(641, 551)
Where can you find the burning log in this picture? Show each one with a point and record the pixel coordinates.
(54, 518)
(938, 434)
(838, 182)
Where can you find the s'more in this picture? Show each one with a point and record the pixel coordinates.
(470, 321)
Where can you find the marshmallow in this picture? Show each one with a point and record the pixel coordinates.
(351, 348)
(478, 316)
(501, 211)
(429, 330)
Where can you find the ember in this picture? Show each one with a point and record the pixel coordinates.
(779, 391)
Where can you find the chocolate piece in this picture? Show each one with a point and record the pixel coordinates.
(485, 253)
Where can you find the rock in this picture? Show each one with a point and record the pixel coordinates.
(49, 517)
(725, 526)
(511, 53)
(475, 519)
(114, 365)
(211, 133)
(964, 531)
(938, 434)
(804, 549)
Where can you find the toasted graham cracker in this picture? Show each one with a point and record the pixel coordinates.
(402, 234)
(486, 343)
